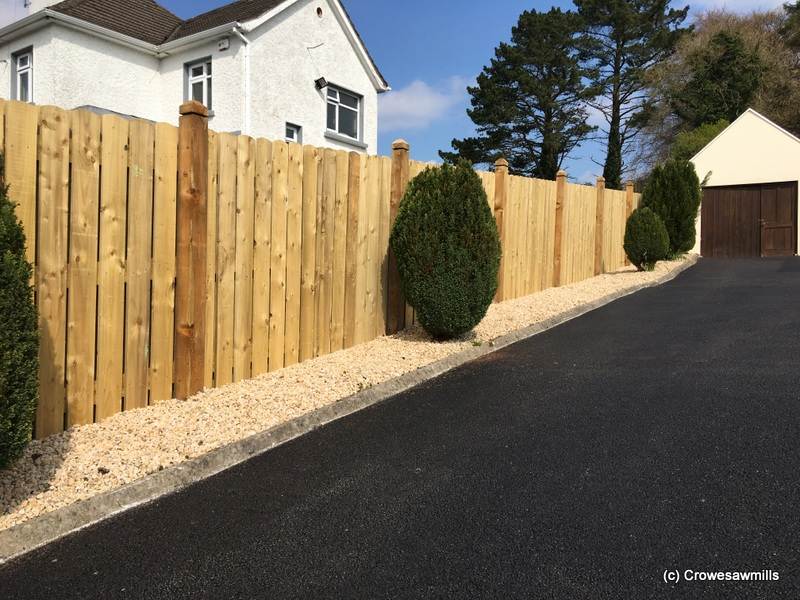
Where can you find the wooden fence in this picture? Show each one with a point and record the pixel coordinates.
(294, 240)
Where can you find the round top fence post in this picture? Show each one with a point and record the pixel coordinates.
(561, 192)
(599, 225)
(395, 300)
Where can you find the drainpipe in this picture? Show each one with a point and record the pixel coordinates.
(247, 94)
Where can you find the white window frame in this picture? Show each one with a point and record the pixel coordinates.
(335, 101)
(206, 78)
(19, 71)
(298, 133)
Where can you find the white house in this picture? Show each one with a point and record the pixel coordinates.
(294, 69)
(750, 198)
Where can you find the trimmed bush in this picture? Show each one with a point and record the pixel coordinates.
(646, 239)
(19, 342)
(447, 249)
(673, 193)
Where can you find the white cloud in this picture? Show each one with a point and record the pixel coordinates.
(740, 6)
(419, 104)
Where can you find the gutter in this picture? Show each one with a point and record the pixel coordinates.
(247, 87)
(47, 16)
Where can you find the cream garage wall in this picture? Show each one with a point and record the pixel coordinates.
(752, 150)
(291, 51)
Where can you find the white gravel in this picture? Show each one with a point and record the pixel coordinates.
(92, 459)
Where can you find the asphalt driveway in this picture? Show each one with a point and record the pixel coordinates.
(660, 433)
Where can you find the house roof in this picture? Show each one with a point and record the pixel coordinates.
(150, 22)
(141, 19)
(235, 12)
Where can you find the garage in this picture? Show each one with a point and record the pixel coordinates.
(750, 175)
(749, 220)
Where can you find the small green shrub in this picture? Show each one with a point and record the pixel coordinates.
(19, 342)
(447, 249)
(673, 193)
(646, 239)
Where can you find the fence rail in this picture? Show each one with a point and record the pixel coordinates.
(296, 262)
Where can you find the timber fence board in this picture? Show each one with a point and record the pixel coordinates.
(297, 261)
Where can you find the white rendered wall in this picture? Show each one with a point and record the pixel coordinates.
(750, 151)
(14, 10)
(287, 54)
(291, 51)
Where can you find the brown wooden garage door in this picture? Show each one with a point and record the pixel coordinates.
(749, 220)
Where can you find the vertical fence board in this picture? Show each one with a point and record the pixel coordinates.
(294, 253)
(351, 251)
(164, 239)
(326, 214)
(261, 256)
(226, 256)
(137, 297)
(53, 186)
(22, 121)
(111, 267)
(211, 260)
(339, 252)
(384, 221)
(243, 277)
(311, 160)
(83, 231)
(373, 246)
(280, 197)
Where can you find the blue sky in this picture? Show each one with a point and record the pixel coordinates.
(430, 50)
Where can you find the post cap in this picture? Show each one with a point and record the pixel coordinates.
(562, 174)
(400, 145)
(193, 107)
(601, 179)
(629, 183)
(501, 163)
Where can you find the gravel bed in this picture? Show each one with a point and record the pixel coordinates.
(92, 459)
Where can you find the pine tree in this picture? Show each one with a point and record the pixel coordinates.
(529, 103)
(623, 39)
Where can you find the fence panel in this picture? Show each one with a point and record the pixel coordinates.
(297, 261)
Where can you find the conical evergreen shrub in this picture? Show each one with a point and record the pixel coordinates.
(673, 193)
(448, 250)
(646, 239)
(19, 341)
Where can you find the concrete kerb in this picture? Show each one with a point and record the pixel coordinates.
(47, 528)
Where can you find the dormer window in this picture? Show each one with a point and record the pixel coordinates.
(23, 75)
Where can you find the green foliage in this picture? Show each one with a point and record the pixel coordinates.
(529, 104)
(688, 143)
(447, 248)
(623, 40)
(726, 75)
(673, 193)
(646, 239)
(19, 344)
(790, 31)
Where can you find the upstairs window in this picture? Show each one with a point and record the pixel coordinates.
(344, 113)
(23, 75)
(198, 82)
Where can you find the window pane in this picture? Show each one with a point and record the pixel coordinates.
(348, 122)
(290, 133)
(197, 71)
(197, 91)
(24, 88)
(208, 69)
(208, 91)
(333, 94)
(348, 100)
(332, 117)
(23, 61)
